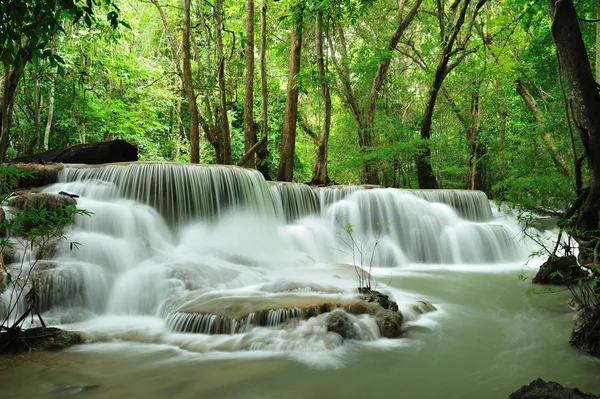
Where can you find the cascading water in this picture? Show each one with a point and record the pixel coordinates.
(164, 236)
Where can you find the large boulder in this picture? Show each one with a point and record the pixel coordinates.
(540, 389)
(560, 270)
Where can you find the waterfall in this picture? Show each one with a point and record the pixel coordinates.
(179, 192)
(471, 205)
(297, 200)
(164, 235)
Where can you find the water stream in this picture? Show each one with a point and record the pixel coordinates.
(171, 246)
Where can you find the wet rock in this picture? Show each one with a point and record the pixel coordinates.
(540, 389)
(389, 323)
(15, 341)
(586, 330)
(38, 175)
(560, 270)
(372, 296)
(52, 202)
(422, 306)
(339, 322)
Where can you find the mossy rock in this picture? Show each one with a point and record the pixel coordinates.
(560, 270)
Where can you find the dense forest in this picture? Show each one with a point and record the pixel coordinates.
(409, 93)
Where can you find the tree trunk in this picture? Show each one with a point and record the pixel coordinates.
(559, 161)
(319, 172)
(37, 110)
(50, 115)
(586, 101)
(249, 132)
(188, 83)
(288, 133)
(425, 174)
(7, 104)
(476, 149)
(224, 155)
(263, 151)
(597, 41)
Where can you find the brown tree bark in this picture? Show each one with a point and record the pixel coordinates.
(319, 172)
(249, 131)
(598, 41)
(288, 133)
(263, 152)
(224, 155)
(7, 104)
(50, 115)
(586, 101)
(559, 161)
(189, 85)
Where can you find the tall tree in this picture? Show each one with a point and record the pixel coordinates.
(263, 152)
(453, 49)
(188, 84)
(288, 133)
(364, 116)
(319, 172)
(224, 155)
(586, 102)
(249, 131)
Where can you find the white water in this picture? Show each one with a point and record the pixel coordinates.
(163, 236)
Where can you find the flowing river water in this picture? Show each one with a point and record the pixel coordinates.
(167, 240)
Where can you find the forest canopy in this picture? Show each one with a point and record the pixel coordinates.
(408, 93)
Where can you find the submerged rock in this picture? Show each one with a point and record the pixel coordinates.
(540, 389)
(560, 270)
(389, 323)
(339, 322)
(422, 306)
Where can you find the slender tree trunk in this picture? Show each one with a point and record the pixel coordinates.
(288, 134)
(559, 161)
(476, 149)
(319, 172)
(597, 41)
(188, 83)
(586, 101)
(7, 104)
(249, 132)
(425, 174)
(50, 114)
(263, 152)
(224, 157)
(37, 111)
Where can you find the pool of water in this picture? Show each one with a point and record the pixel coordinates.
(488, 338)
